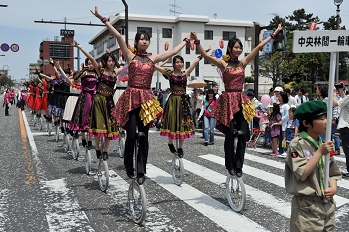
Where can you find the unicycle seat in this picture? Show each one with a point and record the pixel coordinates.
(140, 135)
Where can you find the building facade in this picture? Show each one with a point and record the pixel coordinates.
(172, 29)
(59, 49)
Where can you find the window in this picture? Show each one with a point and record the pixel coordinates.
(187, 48)
(208, 35)
(187, 65)
(206, 61)
(197, 71)
(60, 51)
(228, 35)
(111, 42)
(166, 32)
(196, 51)
(146, 29)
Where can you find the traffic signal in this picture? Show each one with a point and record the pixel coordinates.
(279, 42)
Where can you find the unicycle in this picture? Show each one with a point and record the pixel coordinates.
(34, 120)
(75, 149)
(121, 142)
(39, 123)
(235, 188)
(57, 132)
(137, 200)
(103, 174)
(48, 128)
(177, 167)
(66, 140)
(87, 157)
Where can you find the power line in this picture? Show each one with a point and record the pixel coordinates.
(174, 8)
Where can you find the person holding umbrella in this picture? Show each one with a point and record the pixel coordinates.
(313, 207)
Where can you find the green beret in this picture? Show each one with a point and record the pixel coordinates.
(310, 109)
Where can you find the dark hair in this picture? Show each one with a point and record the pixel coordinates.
(232, 42)
(323, 90)
(284, 97)
(210, 91)
(302, 90)
(138, 37)
(174, 60)
(276, 110)
(310, 122)
(105, 59)
(86, 61)
(288, 91)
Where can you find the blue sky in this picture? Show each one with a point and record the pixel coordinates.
(17, 20)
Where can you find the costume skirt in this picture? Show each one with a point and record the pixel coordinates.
(37, 103)
(177, 122)
(80, 120)
(44, 103)
(102, 124)
(69, 108)
(30, 102)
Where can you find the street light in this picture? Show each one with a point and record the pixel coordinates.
(337, 3)
(3, 68)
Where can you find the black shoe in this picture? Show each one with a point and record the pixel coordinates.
(50, 119)
(345, 174)
(55, 123)
(238, 172)
(99, 154)
(238, 133)
(205, 143)
(180, 153)
(172, 148)
(84, 143)
(62, 129)
(105, 155)
(89, 145)
(130, 174)
(140, 178)
(231, 172)
(210, 143)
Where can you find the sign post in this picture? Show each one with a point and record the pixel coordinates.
(268, 48)
(324, 41)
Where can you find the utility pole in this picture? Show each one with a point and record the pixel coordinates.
(157, 50)
(126, 21)
(174, 8)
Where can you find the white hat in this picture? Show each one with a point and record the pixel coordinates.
(279, 89)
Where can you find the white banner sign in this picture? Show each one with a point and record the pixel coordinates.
(320, 41)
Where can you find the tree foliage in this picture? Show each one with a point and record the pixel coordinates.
(5, 81)
(301, 69)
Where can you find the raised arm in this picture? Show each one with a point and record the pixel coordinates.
(93, 61)
(160, 66)
(43, 75)
(125, 51)
(196, 61)
(218, 62)
(174, 51)
(256, 50)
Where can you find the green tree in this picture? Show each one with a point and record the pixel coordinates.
(5, 81)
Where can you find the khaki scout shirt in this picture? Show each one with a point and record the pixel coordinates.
(294, 168)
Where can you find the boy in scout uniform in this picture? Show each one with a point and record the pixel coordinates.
(304, 172)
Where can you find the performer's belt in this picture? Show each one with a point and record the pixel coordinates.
(233, 90)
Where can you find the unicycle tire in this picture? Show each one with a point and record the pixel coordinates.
(66, 145)
(75, 149)
(121, 147)
(88, 161)
(137, 202)
(57, 133)
(103, 175)
(39, 124)
(177, 170)
(235, 193)
(48, 128)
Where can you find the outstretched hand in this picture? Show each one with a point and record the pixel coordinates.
(278, 29)
(194, 35)
(95, 13)
(75, 43)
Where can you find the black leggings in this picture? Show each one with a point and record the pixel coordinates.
(142, 155)
(235, 160)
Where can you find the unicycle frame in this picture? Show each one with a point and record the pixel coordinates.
(132, 203)
(177, 167)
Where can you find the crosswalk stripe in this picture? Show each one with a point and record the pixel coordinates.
(262, 198)
(4, 195)
(155, 221)
(62, 211)
(266, 176)
(209, 207)
(272, 163)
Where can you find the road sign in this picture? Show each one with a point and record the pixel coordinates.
(320, 41)
(218, 53)
(14, 47)
(268, 48)
(4, 47)
(39, 61)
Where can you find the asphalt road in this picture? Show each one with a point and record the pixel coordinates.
(45, 189)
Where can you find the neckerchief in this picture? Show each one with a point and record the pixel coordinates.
(321, 163)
